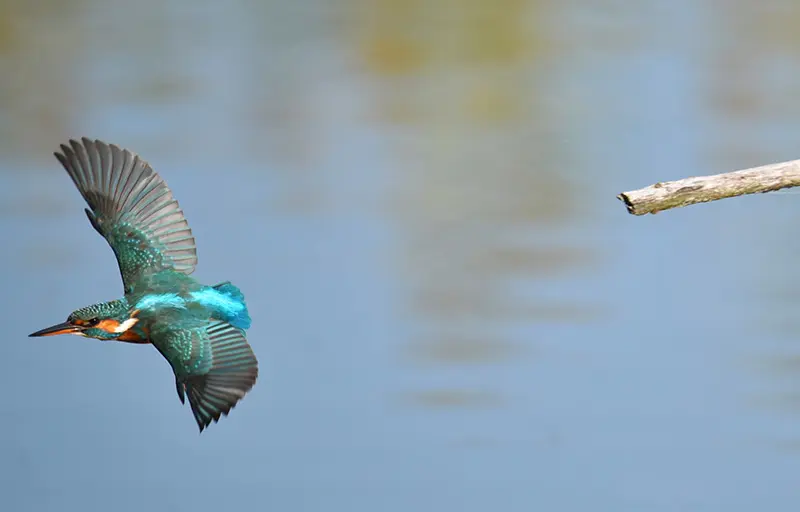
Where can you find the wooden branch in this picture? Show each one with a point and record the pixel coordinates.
(702, 189)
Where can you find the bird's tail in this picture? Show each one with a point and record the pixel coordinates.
(240, 317)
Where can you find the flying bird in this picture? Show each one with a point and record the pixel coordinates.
(199, 329)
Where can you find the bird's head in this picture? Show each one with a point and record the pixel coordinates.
(104, 321)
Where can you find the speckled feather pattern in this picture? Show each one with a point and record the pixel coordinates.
(198, 329)
(222, 302)
(213, 364)
(131, 207)
(110, 309)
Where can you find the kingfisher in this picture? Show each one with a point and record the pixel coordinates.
(200, 330)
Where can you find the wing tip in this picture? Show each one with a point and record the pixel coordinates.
(117, 182)
(203, 422)
(82, 142)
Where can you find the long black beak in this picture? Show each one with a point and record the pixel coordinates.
(62, 328)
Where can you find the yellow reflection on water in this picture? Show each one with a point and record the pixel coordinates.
(479, 181)
(37, 52)
(461, 94)
(751, 92)
(751, 88)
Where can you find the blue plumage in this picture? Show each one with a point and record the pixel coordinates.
(198, 329)
(227, 301)
(161, 301)
(224, 301)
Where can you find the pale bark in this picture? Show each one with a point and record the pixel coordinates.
(701, 189)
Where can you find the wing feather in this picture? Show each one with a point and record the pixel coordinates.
(131, 206)
(214, 366)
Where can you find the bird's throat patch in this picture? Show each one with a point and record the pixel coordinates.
(127, 324)
(113, 326)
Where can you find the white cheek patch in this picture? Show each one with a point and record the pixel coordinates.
(124, 326)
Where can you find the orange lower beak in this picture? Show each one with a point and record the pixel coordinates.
(63, 328)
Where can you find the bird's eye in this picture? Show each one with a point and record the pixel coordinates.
(93, 321)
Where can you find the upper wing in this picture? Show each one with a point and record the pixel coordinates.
(213, 364)
(132, 207)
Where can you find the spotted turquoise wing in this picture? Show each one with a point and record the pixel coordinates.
(214, 366)
(131, 206)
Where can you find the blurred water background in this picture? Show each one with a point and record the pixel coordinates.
(451, 309)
